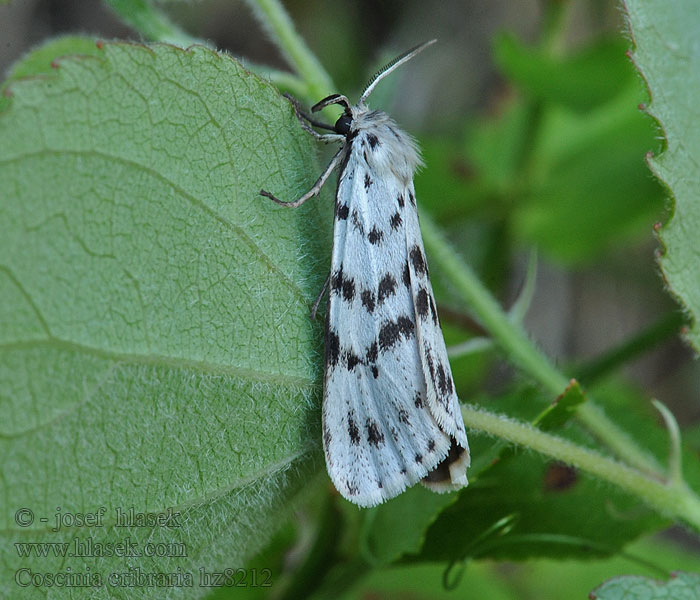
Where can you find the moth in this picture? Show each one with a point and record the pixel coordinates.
(391, 416)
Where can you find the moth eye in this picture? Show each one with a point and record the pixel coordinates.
(342, 125)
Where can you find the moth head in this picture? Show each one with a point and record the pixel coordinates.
(342, 125)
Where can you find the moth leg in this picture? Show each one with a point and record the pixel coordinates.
(314, 309)
(305, 121)
(314, 191)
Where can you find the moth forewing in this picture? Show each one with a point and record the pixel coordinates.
(391, 416)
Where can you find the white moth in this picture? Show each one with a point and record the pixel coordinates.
(391, 416)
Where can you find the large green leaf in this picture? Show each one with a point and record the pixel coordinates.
(563, 161)
(590, 77)
(398, 527)
(590, 189)
(156, 348)
(668, 57)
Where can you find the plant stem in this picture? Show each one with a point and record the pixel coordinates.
(275, 20)
(518, 348)
(674, 499)
(151, 23)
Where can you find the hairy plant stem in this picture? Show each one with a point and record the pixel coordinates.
(151, 23)
(276, 22)
(673, 498)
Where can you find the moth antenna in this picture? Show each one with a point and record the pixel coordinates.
(397, 62)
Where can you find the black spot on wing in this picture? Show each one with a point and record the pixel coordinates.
(372, 352)
(406, 275)
(348, 289)
(431, 366)
(403, 416)
(396, 221)
(356, 223)
(342, 284)
(352, 360)
(373, 141)
(375, 236)
(400, 200)
(418, 400)
(337, 280)
(368, 300)
(442, 388)
(388, 335)
(374, 436)
(433, 311)
(391, 331)
(406, 326)
(332, 347)
(412, 198)
(371, 358)
(353, 431)
(418, 260)
(341, 211)
(431, 445)
(368, 181)
(419, 458)
(422, 303)
(387, 287)
(442, 380)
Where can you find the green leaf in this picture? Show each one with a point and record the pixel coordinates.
(591, 77)
(398, 526)
(156, 349)
(588, 187)
(494, 147)
(668, 57)
(42, 60)
(563, 408)
(681, 586)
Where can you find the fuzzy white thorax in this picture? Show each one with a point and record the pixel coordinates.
(397, 154)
